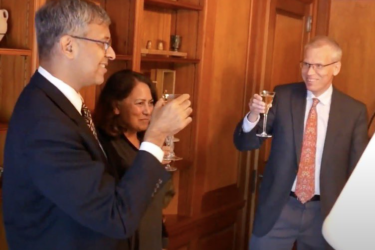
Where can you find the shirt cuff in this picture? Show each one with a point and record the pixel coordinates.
(247, 126)
(152, 149)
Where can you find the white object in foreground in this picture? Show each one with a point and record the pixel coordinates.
(351, 222)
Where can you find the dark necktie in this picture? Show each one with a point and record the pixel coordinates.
(87, 115)
(305, 187)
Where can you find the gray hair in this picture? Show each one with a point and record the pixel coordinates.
(61, 17)
(320, 41)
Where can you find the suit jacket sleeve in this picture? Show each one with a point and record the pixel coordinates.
(67, 173)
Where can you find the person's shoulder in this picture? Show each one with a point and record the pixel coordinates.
(347, 99)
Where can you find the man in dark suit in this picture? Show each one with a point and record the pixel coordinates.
(58, 192)
(318, 135)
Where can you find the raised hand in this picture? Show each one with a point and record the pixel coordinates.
(169, 118)
(257, 106)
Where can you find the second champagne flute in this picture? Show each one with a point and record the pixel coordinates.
(169, 141)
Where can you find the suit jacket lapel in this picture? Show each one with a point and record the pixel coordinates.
(298, 106)
(66, 107)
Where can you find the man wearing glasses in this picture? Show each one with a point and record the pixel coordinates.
(318, 135)
(59, 191)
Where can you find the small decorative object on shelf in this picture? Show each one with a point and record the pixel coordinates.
(3, 23)
(148, 45)
(175, 42)
(160, 45)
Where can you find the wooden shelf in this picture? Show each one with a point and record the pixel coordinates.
(15, 52)
(124, 57)
(169, 59)
(169, 4)
(166, 53)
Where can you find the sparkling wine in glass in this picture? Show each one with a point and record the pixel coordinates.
(267, 97)
(170, 140)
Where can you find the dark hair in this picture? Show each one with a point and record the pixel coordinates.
(65, 17)
(117, 88)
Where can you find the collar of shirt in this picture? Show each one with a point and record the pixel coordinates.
(73, 96)
(324, 99)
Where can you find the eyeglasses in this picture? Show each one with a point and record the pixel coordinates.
(317, 67)
(106, 45)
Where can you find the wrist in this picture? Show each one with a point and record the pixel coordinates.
(252, 117)
(155, 137)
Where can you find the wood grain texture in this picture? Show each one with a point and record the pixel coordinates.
(223, 83)
(14, 75)
(351, 25)
(119, 12)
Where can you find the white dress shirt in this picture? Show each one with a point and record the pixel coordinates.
(76, 99)
(322, 110)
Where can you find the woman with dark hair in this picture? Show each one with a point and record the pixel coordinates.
(121, 116)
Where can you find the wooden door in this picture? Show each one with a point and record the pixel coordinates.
(291, 24)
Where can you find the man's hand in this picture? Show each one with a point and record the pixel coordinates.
(256, 106)
(168, 119)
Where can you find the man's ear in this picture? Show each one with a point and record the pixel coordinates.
(67, 46)
(337, 68)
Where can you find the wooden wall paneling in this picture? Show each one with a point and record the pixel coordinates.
(190, 231)
(322, 18)
(186, 82)
(121, 31)
(203, 94)
(156, 27)
(14, 75)
(351, 25)
(286, 17)
(224, 66)
(226, 92)
(222, 240)
(138, 10)
(187, 26)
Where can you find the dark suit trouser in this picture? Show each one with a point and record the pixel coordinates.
(297, 222)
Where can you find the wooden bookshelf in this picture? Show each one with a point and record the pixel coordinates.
(15, 52)
(169, 60)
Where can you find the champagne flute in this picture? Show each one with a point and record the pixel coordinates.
(170, 140)
(267, 97)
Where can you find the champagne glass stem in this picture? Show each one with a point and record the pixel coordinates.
(265, 122)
